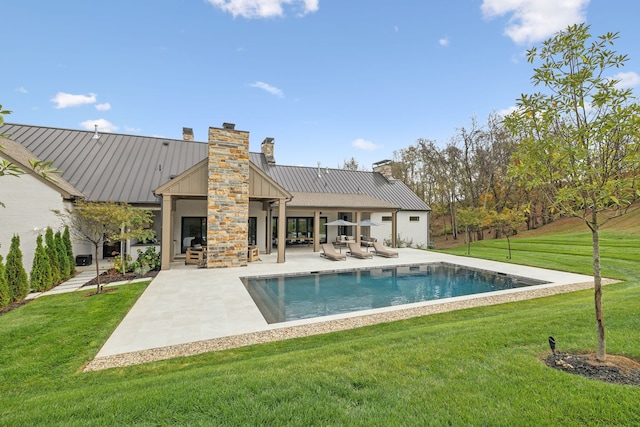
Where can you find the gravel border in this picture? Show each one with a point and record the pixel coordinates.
(283, 333)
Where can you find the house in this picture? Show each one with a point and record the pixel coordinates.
(215, 192)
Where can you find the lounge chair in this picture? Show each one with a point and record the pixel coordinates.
(382, 251)
(329, 252)
(356, 251)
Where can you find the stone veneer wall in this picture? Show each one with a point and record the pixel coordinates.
(228, 199)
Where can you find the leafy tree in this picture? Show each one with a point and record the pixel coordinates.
(472, 219)
(5, 293)
(66, 238)
(63, 259)
(52, 254)
(15, 273)
(96, 223)
(579, 140)
(352, 164)
(40, 278)
(507, 222)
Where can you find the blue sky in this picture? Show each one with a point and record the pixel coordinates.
(328, 79)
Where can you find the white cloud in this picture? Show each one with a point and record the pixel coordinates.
(103, 107)
(535, 20)
(363, 144)
(264, 8)
(132, 130)
(21, 90)
(103, 125)
(268, 88)
(627, 80)
(444, 41)
(64, 100)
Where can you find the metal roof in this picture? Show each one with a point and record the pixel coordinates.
(21, 157)
(127, 168)
(300, 179)
(115, 167)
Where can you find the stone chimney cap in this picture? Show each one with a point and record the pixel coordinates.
(382, 163)
(187, 131)
(229, 126)
(268, 140)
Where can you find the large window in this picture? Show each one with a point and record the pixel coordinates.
(253, 230)
(299, 228)
(193, 227)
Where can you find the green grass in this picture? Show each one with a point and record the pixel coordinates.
(471, 367)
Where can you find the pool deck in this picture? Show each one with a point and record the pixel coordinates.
(187, 310)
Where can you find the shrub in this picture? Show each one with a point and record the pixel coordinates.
(40, 278)
(117, 264)
(63, 259)
(15, 273)
(53, 256)
(66, 238)
(147, 261)
(5, 294)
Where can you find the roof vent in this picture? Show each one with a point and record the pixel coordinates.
(228, 126)
(165, 143)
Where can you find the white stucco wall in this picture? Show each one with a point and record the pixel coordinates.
(418, 231)
(27, 212)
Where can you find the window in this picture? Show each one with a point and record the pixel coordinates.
(193, 228)
(386, 219)
(414, 218)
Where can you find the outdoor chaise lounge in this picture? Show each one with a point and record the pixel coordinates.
(379, 249)
(329, 252)
(356, 251)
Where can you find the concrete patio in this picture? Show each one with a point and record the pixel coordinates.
(188, 305)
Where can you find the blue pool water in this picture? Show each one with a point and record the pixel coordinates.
(286, 298)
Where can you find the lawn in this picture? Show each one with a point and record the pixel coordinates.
(478, 366)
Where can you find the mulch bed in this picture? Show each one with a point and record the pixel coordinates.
(111, 276)
(615, 369)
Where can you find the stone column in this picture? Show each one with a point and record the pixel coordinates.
(228, 198)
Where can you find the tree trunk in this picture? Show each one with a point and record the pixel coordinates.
(97, 272)
(601, 353)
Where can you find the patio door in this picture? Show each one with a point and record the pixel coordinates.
(193, 227)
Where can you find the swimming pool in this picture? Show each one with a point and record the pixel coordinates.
(303, 296)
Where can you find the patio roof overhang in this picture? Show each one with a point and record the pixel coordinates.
(338, 201)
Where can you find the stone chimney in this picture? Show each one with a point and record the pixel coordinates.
(228, 198)
(268, 151)
(187, 134)
(384, 167)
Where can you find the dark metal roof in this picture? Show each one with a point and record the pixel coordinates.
(115, 167)
(299, 179)
(127, 168)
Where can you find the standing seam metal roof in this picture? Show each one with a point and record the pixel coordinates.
(301, 179)
(116, 167)
(127, 168)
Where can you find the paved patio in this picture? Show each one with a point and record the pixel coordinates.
(188, 305)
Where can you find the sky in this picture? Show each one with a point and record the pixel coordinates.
(329, 80)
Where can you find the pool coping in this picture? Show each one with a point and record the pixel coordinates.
(145, 335)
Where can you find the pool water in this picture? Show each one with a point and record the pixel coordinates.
(294, 297)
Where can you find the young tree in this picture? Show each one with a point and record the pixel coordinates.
(5, 293)
(96, 223)
(66, 238)
(507, 222)
(52, 254)
(472, 219)
(40, 278)
(579, 140)
(15, 273)
(63, 259)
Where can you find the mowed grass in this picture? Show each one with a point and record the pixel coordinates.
(478, 366)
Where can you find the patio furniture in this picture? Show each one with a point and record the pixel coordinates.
(254, 254)
(329, 252)
(379, 249)
(356, 251)
(197, 256)
(367, 241)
